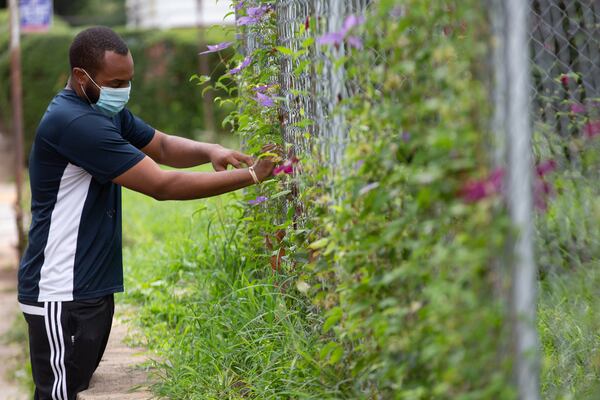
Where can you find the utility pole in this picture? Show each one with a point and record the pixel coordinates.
(204, 69)
(17, 116)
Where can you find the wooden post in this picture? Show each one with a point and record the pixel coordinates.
(17, 116)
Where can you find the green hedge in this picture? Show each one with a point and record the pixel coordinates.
(162, 92)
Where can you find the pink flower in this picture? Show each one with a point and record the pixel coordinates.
(287, 167)
(564, 79)
(477, 190)
(264, 100)
(546, 167)
(243, 65)
(217, 47)
(592, 129)
(541, 191)
(577, 108)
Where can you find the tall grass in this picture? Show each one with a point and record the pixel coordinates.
(569, 325)
(222, 325)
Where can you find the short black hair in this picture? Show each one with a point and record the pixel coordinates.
(88, 48)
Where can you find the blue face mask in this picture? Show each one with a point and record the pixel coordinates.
(111, 100)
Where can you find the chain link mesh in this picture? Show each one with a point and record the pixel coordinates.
(565, 58)
(315, 93)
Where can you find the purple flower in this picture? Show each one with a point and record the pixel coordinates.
(359, 164)
(258, 200)
(397, 12)
(243, 65)
(264, 100)
(263, 88)
(352, 21)
(217, 47)
(406, 136)
(239, 5)
(242, 21)
(577, 108)
(258, 12)
(355, 41)
(335, 38)
(368, 188)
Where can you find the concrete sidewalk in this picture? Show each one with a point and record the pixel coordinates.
(120, 375)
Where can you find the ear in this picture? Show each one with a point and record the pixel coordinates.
(79, 76)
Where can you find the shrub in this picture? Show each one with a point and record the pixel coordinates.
(162, 94)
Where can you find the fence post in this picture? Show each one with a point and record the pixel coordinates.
(17, 113)
(520, 198)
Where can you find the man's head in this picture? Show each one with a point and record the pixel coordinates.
(99, 57)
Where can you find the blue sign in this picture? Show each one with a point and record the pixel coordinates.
(35, 15)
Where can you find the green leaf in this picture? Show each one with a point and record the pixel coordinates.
(285, 50)
(319, 244)
(333, 317)
(281, 194)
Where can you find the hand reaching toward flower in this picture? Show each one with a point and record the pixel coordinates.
(222, 157)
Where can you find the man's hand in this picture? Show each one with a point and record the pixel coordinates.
(264, 165)
(221, 158)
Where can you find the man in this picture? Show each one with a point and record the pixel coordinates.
(86, 147)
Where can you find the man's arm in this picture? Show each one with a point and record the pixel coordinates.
(146, 177)
(179, 152)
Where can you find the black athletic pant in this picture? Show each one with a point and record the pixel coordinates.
(66, 340)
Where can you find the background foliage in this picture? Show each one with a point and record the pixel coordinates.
(162, 94)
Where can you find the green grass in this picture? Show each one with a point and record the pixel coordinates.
(221, 324)
(17, 336)
(569, 324)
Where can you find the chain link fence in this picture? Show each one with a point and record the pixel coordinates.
(316, 93)
(564, 78)
(565, 59)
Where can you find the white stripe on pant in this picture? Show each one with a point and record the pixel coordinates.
(53, 311)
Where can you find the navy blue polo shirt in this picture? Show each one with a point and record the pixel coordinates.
(74, 250)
